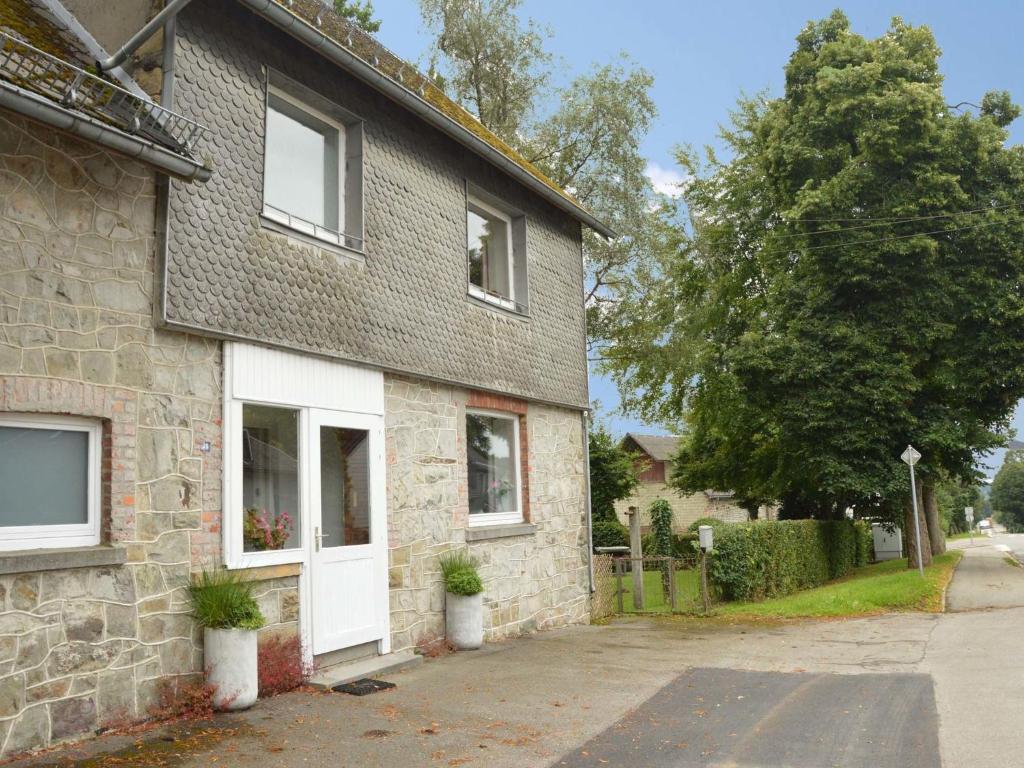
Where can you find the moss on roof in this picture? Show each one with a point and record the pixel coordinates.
(373, 53)
(29, 22)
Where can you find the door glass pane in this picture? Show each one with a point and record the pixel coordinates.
(492, 464)
(44, 476)
(270, 477)
(344, 486)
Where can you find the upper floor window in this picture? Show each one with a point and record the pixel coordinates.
(50, 473)
(495, 251)
(312, 175)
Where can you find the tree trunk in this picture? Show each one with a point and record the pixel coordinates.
(908, 533)
(931, 513)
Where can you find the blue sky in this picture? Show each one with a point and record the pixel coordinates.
(703, 55)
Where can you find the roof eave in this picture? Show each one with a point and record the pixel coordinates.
(307, 34)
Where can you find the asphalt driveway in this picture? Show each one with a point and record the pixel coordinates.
(899, 690)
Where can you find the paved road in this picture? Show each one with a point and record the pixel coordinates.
(726, 717)
(877, 692)
(985, 578)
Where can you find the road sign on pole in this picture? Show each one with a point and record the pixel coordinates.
(969, 515)
(911, 457)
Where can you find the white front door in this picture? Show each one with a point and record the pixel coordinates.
(348, 530)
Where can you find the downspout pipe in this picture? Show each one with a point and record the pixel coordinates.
(585, 418)
(119, 56)
(44, 111)
(301, 30)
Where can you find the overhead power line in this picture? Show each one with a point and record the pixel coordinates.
(899, 219)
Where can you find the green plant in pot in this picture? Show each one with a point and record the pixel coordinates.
(224, 606)
(464, 604)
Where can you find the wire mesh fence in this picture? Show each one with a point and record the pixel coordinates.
(650, 585)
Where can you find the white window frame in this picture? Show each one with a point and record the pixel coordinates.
(501, 518)
(285, 218)
(506, 302)
(22, 537)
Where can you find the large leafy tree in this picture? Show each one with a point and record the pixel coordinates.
(851, 284)
(1008, 492)
(613, 473)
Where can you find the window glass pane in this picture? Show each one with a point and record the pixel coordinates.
(270, 477)
(44, 476)
(301, 164)
(344, 486)
(487, 251)
(492, 457)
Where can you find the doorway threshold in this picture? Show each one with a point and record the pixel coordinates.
(375, 666)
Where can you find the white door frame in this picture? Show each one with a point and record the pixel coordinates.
(277, 377)
(376, 551)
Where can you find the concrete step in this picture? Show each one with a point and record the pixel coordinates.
(375, 666)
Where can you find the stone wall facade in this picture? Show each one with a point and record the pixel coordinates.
(533, 581)
(81, 647)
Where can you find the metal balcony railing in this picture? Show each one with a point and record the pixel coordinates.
(32, 69)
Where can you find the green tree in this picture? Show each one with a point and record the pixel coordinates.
(1008, 492)
(850, 283)
(359, 11)
(953, 497)
(613, 474)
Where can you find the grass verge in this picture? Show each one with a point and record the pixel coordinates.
(873, 589)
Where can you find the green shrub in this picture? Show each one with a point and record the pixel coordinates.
(758, 560)
(865, 543)
(661, 526)
(684, 547)
(714, 522)
(460, 574)
(221, 600)
(464, 583)
(610, 533)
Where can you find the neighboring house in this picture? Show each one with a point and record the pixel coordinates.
(655, 464)
(307, 292)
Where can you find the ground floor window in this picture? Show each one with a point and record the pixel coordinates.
(492, 449)
(270, 478)
(50, 481)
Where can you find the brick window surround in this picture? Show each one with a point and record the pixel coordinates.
(505, 404)
(115, 409)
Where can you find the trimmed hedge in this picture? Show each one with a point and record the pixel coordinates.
(610, 533)
(865, 543)
(759, 560)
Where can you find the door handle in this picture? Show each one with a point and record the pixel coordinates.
(318, 537)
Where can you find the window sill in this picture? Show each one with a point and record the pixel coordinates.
(351, 254)
(514, 314)
(30, 560)
(487, 532)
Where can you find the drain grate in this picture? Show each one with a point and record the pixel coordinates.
(363, 687)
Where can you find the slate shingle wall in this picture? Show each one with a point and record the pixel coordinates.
(403, 308)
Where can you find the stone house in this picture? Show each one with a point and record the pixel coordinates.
(269, 301)
(654, 462)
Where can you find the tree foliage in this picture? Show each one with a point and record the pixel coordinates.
(613, 474)
(850, 283)
(358, 11)
(1008, 492)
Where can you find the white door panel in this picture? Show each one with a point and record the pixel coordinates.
(348, 548)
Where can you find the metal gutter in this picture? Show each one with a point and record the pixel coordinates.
(45, 111)
(309, 35)
(121, 54)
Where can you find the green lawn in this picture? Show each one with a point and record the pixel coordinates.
(878, 588)
(687, 591)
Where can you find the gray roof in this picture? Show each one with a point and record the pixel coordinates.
(658, 447)
(1014, 445)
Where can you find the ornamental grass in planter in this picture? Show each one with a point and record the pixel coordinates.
(464, 601)
(224, 606)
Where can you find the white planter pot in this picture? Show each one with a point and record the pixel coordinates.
(230, 657)
(464, 620)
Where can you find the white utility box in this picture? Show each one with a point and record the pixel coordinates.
(888, 544)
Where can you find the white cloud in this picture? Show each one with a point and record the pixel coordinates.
(665, 180)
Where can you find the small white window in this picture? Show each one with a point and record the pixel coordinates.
(494, 481)
(50, 476)
(310, 170)
(495, 254)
